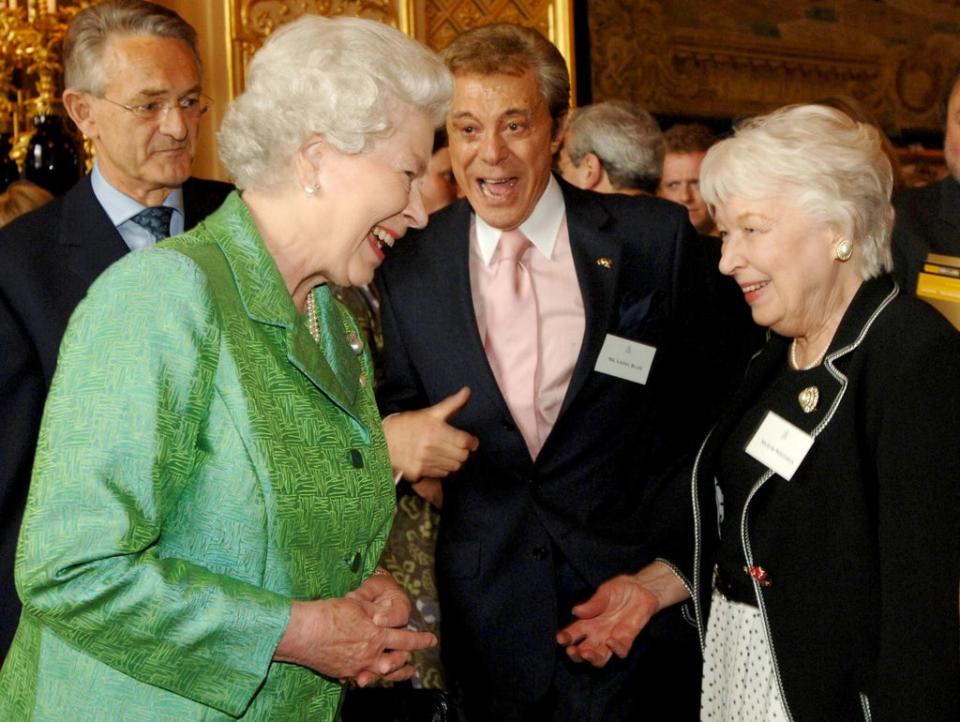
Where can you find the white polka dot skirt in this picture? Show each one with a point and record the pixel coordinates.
(739, 683)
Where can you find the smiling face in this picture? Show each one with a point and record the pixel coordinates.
(142, 158)
(376, 198)
(501, 144)
(785, 266)
(680, 183)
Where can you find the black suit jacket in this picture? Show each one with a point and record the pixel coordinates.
(48, 259)
(927, 221)
(588, 501)
(861, 545)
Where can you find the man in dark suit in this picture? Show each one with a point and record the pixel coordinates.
(928, 218)
(555, 455)
(133, 88)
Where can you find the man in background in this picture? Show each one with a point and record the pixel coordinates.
(686, 145)
(612, 147)
(928, 218)
(133, 87)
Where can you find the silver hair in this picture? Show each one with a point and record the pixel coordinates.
(340, 77)
(829, 167)
(92, 27)
(625, 138)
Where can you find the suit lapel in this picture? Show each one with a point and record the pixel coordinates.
(596, 257)
(88, 237)
(455, 298)
(328, 365)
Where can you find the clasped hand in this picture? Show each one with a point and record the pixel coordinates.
(359, 637)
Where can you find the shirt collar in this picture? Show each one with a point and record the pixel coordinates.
(120, 207)
(541, 227)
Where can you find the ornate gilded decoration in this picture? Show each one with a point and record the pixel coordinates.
(31, 34)
(446, 19)
(723, 58)
(254, 20)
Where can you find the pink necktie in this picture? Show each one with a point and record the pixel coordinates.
(511, 344)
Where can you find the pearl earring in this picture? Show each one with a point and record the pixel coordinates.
(843, 251)
(310, 190)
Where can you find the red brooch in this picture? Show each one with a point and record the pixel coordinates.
(760, 575)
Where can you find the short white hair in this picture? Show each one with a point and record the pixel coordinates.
(345, 78)
(829, 167)
(625, 138)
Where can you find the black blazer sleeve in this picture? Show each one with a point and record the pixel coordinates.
(914, 400)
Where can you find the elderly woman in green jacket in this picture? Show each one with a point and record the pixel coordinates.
(212, 488)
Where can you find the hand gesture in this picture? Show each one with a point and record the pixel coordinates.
(423, 444)
(337, 638)
(611, 619)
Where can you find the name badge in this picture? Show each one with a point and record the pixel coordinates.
(779, 445)
(625, 359)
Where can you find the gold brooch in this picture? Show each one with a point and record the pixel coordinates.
(605, 262)
(809, 398)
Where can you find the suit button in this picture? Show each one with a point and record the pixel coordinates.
(540, 552)
(508, 425)
(356, 458)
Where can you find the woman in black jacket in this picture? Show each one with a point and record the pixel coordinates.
(825, 567)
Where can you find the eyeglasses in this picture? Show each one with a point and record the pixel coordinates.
(192, 106)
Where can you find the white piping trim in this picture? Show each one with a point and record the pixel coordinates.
(828, 417)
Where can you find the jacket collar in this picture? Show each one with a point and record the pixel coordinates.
(586, 221)
(329, 365)
(590, 245)
(871, 298)
(89, 239)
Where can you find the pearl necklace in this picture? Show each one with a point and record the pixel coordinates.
(793, 358)
(312, 322)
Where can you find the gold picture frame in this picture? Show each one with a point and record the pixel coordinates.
(250, 22)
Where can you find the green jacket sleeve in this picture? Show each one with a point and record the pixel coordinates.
(117, 444)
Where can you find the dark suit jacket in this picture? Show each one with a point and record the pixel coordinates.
(588, 500)
(928, 221)
(861, 545)
(48, 259)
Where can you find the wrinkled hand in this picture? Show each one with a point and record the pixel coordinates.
(423, 444)
(430, 489)
(609, 621)
(384, 599)
(337, 638)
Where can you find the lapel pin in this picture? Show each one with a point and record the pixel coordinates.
(809, 398)
(605, 262)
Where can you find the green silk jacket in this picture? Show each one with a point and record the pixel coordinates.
(202, 462)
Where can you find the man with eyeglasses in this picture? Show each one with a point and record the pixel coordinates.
(133, 87)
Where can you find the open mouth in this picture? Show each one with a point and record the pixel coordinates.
(497, 188)
(380, 240)
(384, 238)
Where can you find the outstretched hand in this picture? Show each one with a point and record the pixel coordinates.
(608, 623)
